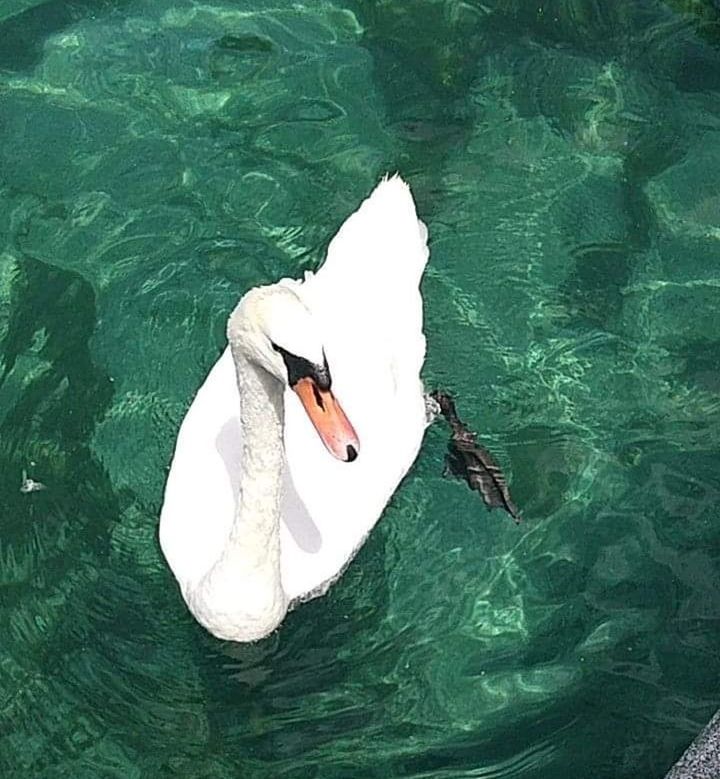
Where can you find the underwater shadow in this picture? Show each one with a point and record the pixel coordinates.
(24, 35)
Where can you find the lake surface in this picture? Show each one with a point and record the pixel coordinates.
(157, 159)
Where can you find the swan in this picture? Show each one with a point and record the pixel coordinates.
(303, 428)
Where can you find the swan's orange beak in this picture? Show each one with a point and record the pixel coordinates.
(329, 419)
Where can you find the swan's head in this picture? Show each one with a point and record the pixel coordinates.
(274, 329)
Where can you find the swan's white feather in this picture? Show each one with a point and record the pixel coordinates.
(367, 302)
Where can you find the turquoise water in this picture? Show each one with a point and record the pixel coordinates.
(159, 158)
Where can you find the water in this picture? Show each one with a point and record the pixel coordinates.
(156, 160)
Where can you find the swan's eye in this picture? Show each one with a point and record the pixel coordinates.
(301, 368)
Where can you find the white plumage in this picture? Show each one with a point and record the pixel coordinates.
(365, 306)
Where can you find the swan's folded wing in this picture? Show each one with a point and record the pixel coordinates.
(367, 294)
(368, 287)
(366, 297)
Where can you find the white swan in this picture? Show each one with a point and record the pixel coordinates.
(249, 525)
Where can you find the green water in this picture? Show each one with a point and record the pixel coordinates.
(159, 158)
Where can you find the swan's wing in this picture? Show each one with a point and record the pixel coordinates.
(367, 299)
(367, 290)
(204, 479)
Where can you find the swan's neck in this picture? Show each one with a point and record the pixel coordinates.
(241, 598)
(261, 417)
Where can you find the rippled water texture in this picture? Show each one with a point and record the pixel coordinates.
(159, 158)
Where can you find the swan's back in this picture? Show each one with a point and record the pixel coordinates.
(366, 296)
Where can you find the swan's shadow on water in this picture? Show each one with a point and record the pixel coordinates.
(294, 513)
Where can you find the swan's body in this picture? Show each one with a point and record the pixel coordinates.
(250, 525)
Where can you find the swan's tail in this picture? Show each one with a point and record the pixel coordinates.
(383, 242)
(369, 284)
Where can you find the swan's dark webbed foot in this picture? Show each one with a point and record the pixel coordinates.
(472, 462)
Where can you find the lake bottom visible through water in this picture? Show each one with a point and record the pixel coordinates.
(159, 159)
